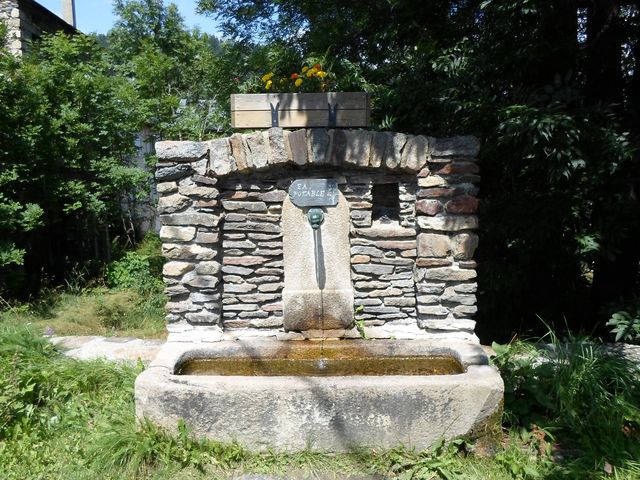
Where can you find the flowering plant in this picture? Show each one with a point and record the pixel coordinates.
(311, 78)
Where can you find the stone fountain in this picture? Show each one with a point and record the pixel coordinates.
(285, 249)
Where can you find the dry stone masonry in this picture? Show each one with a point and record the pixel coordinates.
(412, 206)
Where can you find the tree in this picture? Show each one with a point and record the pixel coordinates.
(551, 88)
(66, 128)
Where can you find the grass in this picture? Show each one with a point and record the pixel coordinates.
(62, 418)
(95, 311)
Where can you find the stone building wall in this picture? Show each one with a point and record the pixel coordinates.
(26, 21)
(221, 202)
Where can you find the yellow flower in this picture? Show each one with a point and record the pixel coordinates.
(298, 82)
(321, 74)
(310, 72)
(267, 77)
(268, 85)
(304, 69)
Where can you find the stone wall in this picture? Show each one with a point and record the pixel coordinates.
(221, 202)
(27, 21)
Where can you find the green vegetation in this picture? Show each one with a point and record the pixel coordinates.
(570, 412)
(553, 91)
(129, 302)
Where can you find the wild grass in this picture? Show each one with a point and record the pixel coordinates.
(62, 418)
(95, 311)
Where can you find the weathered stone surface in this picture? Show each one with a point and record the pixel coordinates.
(458, 168)
(173, 203)
(433, 245)
(435, 310)
(432, 181)
(463, 146)
(187, 252)
(414, 155)
(374, 269)
(448, 324)
(318, 140)
(239, 149)
(429, 207)
(433, 262)
(378, 148)
(333, 279)
(385, 231)
(207, 268)
(207, 237)
(360, 259)
(462, 204)
(176, 269)
(166, 187)
(202, 180)
(238, 244)
(200, 281)
(378, 412)
(464, 245)
(396, 244)
(180, 151)
(370, 251)
(297, 145)
(253, 226)
(448, 224)
(236, 270)
(277, 151)
(462, 311)
(466, 288)
(437, 192)
(393, 151)
(204, 318)
(357, 148)
(198, 191)
(270, 287)
(239, 287)
(249, 206)
(190, 219)
(177, 234)
(444, 273)
(273, 196)
(257, 150)
(400, 301)
(243, 261)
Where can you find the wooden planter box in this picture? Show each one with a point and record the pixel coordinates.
(293, 110)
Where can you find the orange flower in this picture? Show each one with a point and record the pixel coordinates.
(294, 76)
(317, 66)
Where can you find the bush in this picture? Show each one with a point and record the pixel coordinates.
(586, 395)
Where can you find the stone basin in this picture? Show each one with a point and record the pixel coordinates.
(245, 391)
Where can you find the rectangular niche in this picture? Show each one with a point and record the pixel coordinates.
(385, 203)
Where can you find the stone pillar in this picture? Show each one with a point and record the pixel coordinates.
(306, 305)
(190, 213)
(446, 209)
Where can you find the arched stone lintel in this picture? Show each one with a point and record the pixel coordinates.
(261, 150)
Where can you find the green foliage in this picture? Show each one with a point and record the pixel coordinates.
(66, 126)
(439, 462)
(135, 448)
(625, 323)
(36, 382)
(558, 121)
(561, 385)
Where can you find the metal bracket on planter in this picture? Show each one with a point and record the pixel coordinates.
(275, 121)
(333, 113)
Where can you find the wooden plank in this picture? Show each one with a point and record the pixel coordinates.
(297, 118)
(300, 101)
